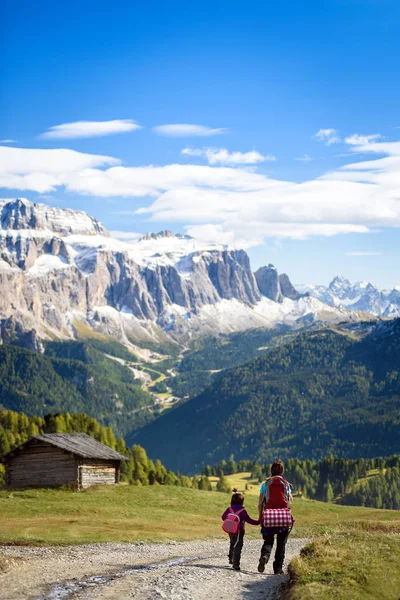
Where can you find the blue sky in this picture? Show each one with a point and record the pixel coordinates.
(266, 84)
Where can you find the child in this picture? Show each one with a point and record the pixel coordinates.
(275, 492)
(236, 540)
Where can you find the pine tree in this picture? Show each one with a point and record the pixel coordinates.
(328, 495)
(204, 484)
(4, 443)
(223, 485)
(231, 466)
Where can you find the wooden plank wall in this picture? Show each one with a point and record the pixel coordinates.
(93, 472)
(41, 465)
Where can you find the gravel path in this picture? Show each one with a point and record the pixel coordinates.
(180, 571)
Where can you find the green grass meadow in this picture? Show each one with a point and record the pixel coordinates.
(102, 514)
(354, 554)
(352, 565)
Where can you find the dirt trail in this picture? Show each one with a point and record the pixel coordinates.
(179, 571)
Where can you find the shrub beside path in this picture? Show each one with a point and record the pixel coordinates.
(195, 570)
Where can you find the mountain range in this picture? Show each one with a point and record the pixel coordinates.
(179, 345)
(61, 270)
(362, 296)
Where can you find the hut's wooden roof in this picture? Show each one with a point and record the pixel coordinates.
(80, 444)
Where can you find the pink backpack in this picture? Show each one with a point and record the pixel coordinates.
(232, 521)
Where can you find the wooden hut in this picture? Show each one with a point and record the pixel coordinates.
(55, 459)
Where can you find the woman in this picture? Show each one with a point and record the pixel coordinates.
(275, 493)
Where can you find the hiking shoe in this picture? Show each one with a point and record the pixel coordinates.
(236, 568)
(278, 572)
(262, 563)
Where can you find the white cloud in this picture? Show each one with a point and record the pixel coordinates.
(222, 156)
(127, 236)
(363, 253)
(89, 129)
(236, 204)
(327, 136)
(8, 141)
(390, 148)
(254, 233)
(361, 140)
(187, 130)
(211, 232)
(305, 158)
(45, 170)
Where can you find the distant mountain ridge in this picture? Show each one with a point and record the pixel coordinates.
(361, 295)
(60, 269)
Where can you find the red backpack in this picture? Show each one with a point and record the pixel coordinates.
(277, 492)
(231, 523)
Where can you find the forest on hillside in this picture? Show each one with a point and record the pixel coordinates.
(361, 482)
(75, 377)
(208, 356)
(320, 394)
(373, 482)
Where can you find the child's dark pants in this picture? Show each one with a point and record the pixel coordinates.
(281, 539)
(235, 549)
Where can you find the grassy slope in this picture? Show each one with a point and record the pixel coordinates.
(118, 513)
(355, 554)
(125, 513)
(348, 566)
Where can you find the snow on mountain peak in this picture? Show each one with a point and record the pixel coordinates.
(168, 249)
(21, 214)
(362, 295)
(339, 282)
(166, 233)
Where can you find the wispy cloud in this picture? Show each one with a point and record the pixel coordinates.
(305, 158)
(327, 136)
(361, 140)
(364, 253)
(8, 141)
(89, 129)
(187, 130)
(222, 156)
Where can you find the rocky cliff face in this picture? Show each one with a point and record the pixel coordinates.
(275, 287)
(287, 289)
(60, 269)
(268, 283)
